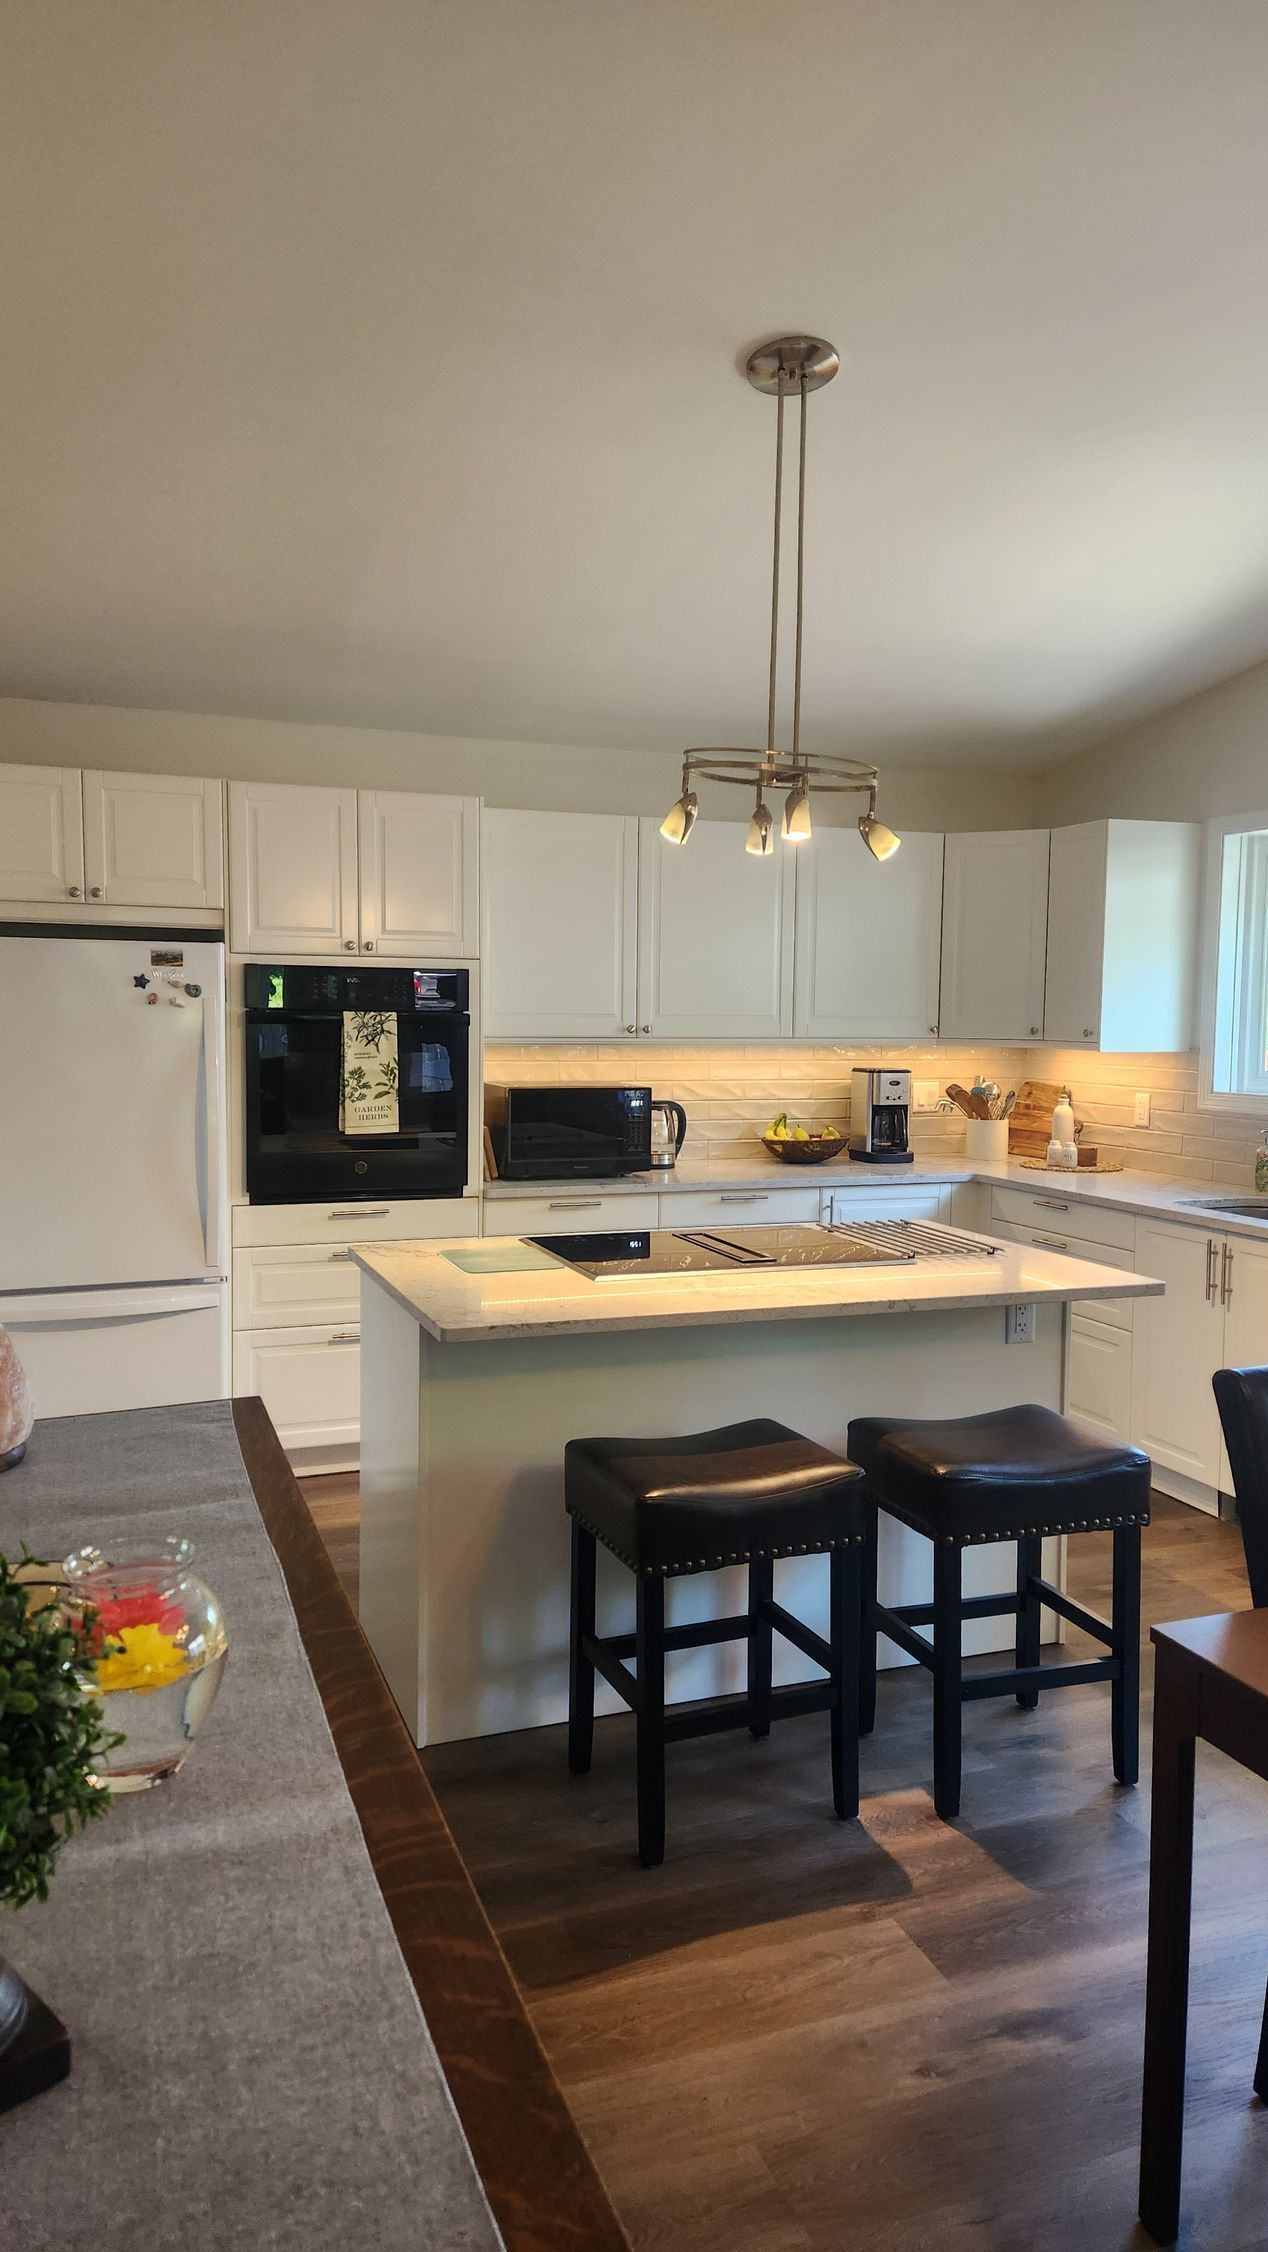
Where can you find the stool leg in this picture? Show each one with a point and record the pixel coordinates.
(580, 1670)
(1125, 1691)
(1261, 2062)
(947, 1621)
(650, 1659)
(1029, 1565)
(867, 1638)
(761, 1588)
(846, 1569)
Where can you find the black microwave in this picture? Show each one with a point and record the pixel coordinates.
(569, 1133)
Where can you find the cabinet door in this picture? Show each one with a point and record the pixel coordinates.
(1100, 1377)
(309, 1380)
(994, 935)
(1076, 932)
(153, 840)
(418, 862)
(869, 938)
(41, 833)
(1178, 1345)
(1245, 1276)
(560, 924)
(715, 936)
(292, 869)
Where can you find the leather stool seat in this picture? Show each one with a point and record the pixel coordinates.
(719, 1497)
(1017, 1471)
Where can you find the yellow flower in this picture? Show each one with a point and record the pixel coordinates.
(149, 1659)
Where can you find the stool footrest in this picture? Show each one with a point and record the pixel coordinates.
(605, 1661)
(803, 1637)
(1020, 1678)
(971, 1607)
(720, 1713)
(1090, 1621)
(692, 1635)
(894, 1624)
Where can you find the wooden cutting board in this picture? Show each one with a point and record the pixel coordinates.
(1030, 1126)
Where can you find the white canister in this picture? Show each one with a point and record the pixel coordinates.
(985, 1139)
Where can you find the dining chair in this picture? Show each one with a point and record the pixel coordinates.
(1241, 1394)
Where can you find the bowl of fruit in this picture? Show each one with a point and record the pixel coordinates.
(800, 1142)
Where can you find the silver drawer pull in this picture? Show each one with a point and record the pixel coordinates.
(344, 1337)
(734, 1197)
(362, 1212)
(1051, 1243)
(340, 1255)
(574, 1204)
(1050, 1204)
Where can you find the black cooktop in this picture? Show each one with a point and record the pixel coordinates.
(672, 1251)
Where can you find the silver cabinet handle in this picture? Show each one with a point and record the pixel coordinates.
(1226, 1276)
(98, 892)
(631, 1028)
(1210, 1270)
(361, 1212)
(574, 1204)
(1050, 1204)
(73, 891)
(369, 946)
(340, 1255)
(644, 1028)
(344, 1337)
(1052, 1242)
(933, 1028)
(349, 946)
(1035, 1030)
(734, 1197)
(1089, 1032)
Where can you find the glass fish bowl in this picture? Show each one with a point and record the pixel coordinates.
(158, 1639)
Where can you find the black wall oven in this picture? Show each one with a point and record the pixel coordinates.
(306, 1137)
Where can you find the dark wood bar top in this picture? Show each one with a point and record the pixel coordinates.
(537, 2174)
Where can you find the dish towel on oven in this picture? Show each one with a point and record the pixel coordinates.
(369, 1089)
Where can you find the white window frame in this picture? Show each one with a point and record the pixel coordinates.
(1235, 968)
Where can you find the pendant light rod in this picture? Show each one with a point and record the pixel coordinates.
(801, 570)
(774, 590)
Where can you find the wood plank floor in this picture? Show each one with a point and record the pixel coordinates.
(802, 2036)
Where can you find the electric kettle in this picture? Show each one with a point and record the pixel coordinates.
(669, 1127)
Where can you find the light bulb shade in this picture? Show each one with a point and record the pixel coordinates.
(795, 827)
(760, 840)
(681, 818)
(880, 841)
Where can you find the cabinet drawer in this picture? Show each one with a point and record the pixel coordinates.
(1054, 1214)
(1115, 1313)
(282, 1288)
(747, 1208)
(356, 1223)
(568, 1214)
(308, 1379)
(888, 1204)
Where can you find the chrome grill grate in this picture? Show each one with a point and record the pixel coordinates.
(916, 1239)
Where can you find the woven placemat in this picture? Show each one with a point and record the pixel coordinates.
(1068, 1172)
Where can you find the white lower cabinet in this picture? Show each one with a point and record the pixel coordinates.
(740, 1208)
(310, 1382)
(1100, 1376)
(897, 1203)
(1179, 1343)
(571, 1213)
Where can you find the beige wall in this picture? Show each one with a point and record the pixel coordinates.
(542, 775)
(1206, 756)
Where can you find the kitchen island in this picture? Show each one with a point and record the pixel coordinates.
(479, 1362)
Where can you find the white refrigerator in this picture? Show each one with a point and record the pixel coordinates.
(112, 1168)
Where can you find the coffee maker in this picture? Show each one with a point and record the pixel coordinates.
(880, 1107)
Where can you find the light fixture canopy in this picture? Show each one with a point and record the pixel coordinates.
(787, 365)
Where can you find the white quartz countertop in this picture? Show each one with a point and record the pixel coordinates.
(1153, 1194)
(461, 1308)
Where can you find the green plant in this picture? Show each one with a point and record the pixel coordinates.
(51, 1733)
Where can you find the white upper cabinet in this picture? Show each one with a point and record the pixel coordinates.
(994, 935)
(41, 834)
(715, 945)
(1122, 935)
(419, 873)
(560, 925)
(869, 938)
(153, 840)
(292, 869)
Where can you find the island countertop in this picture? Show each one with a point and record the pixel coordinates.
(456, 1306)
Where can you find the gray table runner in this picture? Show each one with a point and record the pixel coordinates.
(250, 2068)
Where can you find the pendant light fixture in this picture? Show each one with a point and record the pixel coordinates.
(790, 366)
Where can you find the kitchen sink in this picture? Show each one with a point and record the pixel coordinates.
(1242, 1207)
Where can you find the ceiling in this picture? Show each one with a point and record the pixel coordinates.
(376, 361)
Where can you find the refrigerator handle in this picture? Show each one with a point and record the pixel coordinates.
(213, 1120)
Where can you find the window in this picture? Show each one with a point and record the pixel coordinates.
(1235, 1044)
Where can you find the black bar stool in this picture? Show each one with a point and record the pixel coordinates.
(745, 1494)
(1015, 1475)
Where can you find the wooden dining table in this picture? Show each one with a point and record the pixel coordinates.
(1210, 1684)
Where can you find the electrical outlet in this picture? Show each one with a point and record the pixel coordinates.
(927, 1094)
(1019, 1324)
(1142, 1106)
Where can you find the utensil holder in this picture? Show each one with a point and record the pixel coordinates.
(985, 1139)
